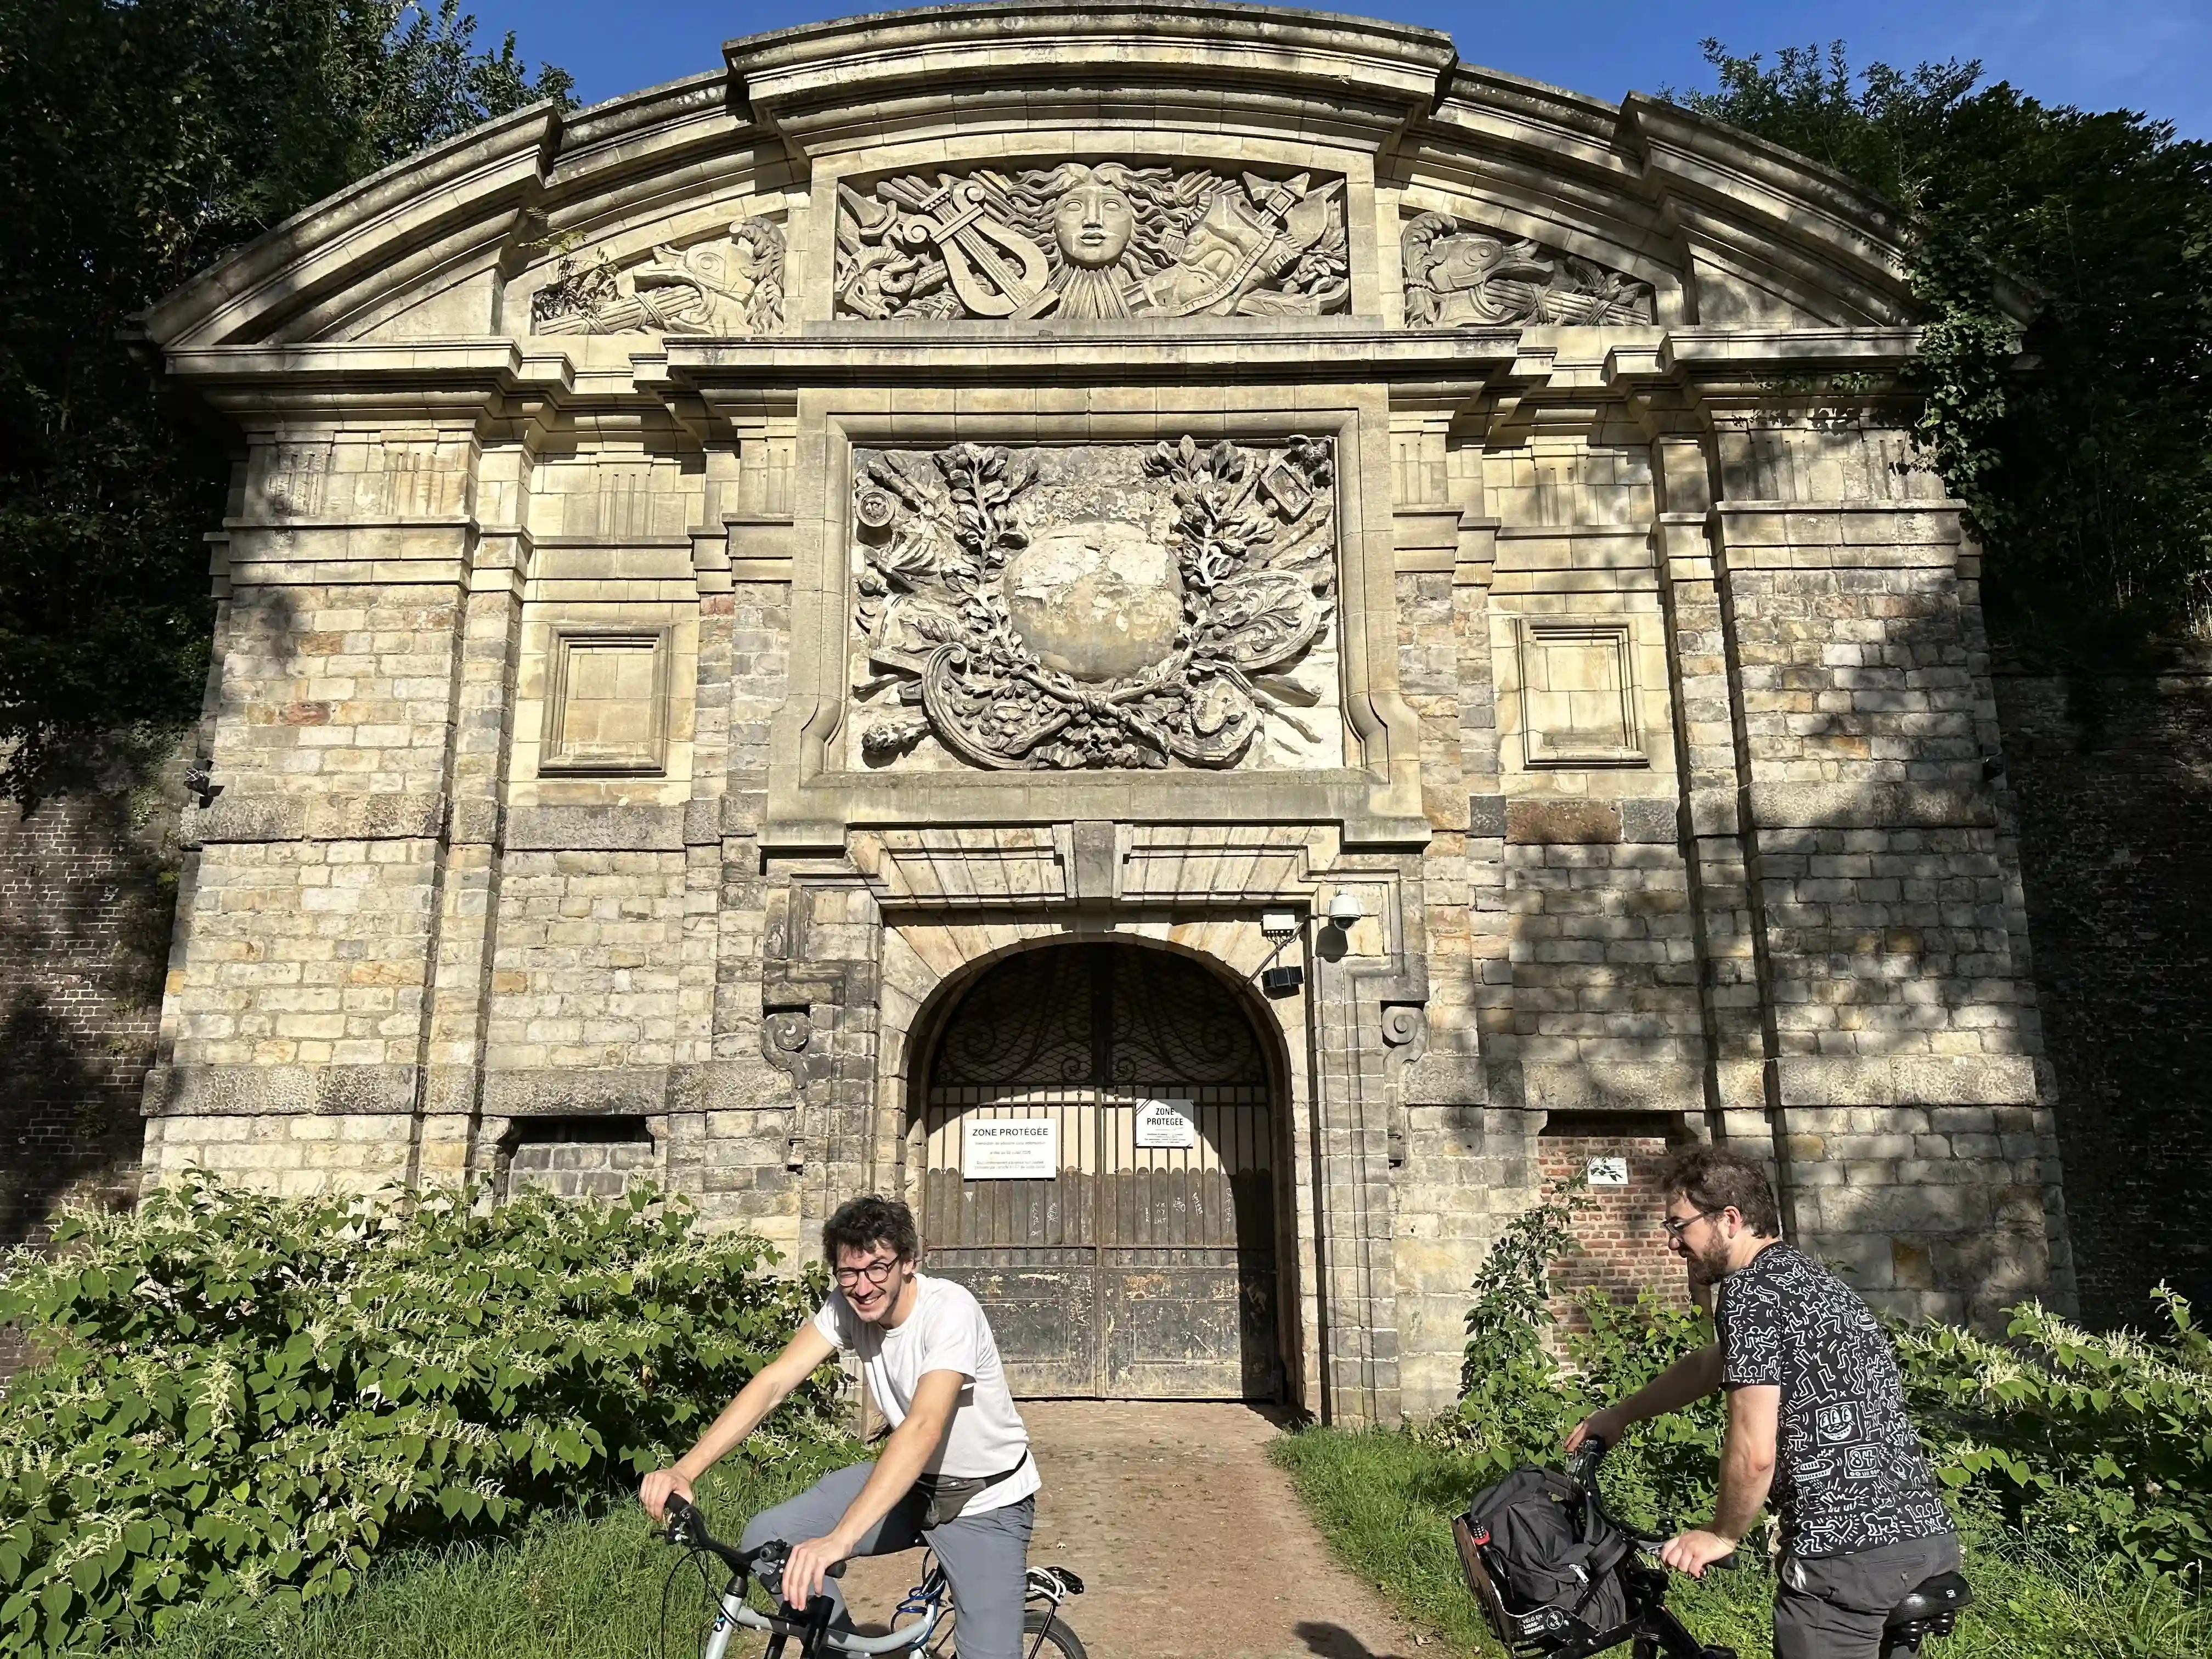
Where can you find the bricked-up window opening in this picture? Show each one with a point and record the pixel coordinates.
(1623, 1243)
(579, 1157)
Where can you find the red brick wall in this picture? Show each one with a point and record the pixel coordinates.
(1624, 1247)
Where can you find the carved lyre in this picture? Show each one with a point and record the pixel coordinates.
(956, 216)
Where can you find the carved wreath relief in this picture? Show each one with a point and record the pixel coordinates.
(1056, 609)
(731, 286)
(1469, 278)
(1092, 240)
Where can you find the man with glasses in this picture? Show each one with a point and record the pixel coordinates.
(1815, 1411)
(956, 1471)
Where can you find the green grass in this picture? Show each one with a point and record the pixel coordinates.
(565, 1586)
(1384, 1501)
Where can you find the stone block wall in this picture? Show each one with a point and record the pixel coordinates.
(1605, 968)
(328, 693)
(1929, 1211)
(306, 954)
(590, 969)
(582, 1167)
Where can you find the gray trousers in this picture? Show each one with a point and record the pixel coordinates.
(985, 1557)
(1833, 1606)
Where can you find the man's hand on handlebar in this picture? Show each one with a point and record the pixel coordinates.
(806, 1573)
(1695, 1550)
(653, 1492)
(1607, 1425)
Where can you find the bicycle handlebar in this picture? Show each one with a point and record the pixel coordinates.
(1581, 1470)
(686, 1529)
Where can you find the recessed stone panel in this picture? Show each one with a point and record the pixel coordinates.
(1578, 695)
(606, 709)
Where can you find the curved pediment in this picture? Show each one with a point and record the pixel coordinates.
(1237, 163)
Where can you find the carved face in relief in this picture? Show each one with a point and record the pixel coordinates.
(1100, 600)
(1093, 223)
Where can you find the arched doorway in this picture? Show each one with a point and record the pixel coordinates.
(1144, 1264)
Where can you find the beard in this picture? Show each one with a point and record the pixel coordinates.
(1709, 1265)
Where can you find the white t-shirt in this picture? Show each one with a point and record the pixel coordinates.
(946, 1332)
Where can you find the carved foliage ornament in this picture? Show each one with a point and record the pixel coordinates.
(1091, 241)
(1460, 277)
(731, 286)
(1090, 644)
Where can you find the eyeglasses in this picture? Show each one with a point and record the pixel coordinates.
(874, 1272)
(1677, 1226)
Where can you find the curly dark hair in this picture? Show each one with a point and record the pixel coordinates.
(1716, 1178)
(862, 1224)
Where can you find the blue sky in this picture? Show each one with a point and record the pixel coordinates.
(2150, 55)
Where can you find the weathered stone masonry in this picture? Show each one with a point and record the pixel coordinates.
(715, 572)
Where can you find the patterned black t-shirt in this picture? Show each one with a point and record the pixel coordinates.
(1849, 1473)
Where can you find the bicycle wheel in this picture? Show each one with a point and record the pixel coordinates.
(1058, 1638)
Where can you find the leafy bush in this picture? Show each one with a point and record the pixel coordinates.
(1512, 1393)
(250, 1395)
(1384, 1499)
(2082, 1444)
(1519, 1396)
(2078, 1446)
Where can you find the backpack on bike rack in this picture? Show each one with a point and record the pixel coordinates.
(1542, 1561)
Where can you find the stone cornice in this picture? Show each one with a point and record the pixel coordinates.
(493, 172)
(1659, 181)
(471, 374)
(818, 81)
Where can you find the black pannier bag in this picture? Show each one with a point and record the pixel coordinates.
(1542, 1561)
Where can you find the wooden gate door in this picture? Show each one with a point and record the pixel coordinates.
(1141, 1268)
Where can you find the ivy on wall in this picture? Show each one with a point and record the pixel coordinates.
(2083, 445)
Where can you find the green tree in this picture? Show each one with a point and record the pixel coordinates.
(139, 140)
(2088, 465)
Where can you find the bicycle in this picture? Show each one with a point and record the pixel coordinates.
(1931, 1609)
(810, 1626)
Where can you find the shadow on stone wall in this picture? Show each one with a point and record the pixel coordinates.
(2113, 785)
(87, 895)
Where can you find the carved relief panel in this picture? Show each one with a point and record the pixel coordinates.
(732, 285)
(1089, 241)
(1459, 276)
(1136, 607)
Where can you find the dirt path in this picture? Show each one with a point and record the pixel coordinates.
(1192, 1545)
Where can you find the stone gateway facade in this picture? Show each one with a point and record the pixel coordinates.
(1200, 637)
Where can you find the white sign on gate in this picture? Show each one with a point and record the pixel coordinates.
(1009, 1149)
(1166, 1123)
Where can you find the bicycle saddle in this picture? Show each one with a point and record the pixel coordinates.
(1944, 1593)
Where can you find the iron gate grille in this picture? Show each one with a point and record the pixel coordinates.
(1134, 1272)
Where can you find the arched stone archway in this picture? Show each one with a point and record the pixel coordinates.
(930, 960)
(1099, 1159)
